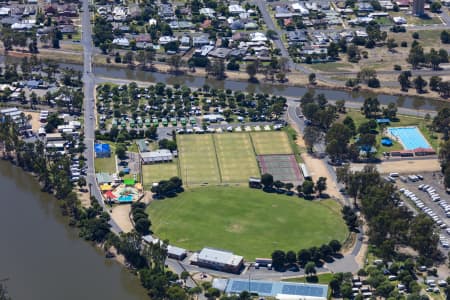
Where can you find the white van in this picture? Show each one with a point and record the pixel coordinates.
(394, 174)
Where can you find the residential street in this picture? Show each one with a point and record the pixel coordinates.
(89, 109)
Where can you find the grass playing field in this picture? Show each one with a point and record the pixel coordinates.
(248, 222)
(274, 142)
(198, 162)
(236, 157)
(157, 172)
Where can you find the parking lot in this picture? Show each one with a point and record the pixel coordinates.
(426, 193)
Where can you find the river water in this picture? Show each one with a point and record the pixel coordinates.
(417, 103)
(43, 257)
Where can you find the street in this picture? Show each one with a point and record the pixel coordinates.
(89, 109)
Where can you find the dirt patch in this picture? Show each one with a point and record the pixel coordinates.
(84, 199)
(35, 123)
(317, 168)
(120, 214)
(404, 166)
(234, 228)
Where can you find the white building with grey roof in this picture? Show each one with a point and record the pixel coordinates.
(219, 260)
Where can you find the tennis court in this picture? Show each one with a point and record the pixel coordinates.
(282, 167)
(410, 137)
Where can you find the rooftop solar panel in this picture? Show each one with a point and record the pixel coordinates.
(268, 288)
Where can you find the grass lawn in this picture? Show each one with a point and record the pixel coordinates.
(198, 162)
(273, 142)
(248, 222)
(133, 147)
(236, 157)
(321, 279)
(107, 164)
(331, 66)
(292, 136)
(423, 21)
(157, 172)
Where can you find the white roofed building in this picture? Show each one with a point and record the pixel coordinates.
(219, 260)
(158, 156)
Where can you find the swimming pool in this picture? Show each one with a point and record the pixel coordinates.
(125, 198)
(410, 137)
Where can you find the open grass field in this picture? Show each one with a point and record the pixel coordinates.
(246, 221)
(198, 162)
(157, 172)
(273, 142)
(332, 66)
(236, 157)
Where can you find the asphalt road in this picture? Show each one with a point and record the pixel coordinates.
(89, 109)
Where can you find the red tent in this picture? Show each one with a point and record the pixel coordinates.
(110, 195)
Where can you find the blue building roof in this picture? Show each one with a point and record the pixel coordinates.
(102, 148)
(273, 288)
(383, 121)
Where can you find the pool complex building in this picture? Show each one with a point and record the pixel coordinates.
(277, 289)
(410, 137)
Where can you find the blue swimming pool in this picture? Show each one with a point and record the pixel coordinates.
(125, 198)
(410, 137)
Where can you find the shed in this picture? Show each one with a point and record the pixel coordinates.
(102, 150)
(383, 121)
(176, 252)
(305, 172)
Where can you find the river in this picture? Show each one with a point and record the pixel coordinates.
(412, 102)
(418, 103)
(43, 257)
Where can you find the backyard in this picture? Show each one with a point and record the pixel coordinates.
(248, 222)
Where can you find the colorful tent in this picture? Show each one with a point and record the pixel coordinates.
(105, 187)
(110, 195)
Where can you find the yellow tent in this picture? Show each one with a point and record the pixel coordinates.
(105, 187)
(138, 186)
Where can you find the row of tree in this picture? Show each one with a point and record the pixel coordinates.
(140, 218)
(314, 255)
(168, 188)
(307, 188)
